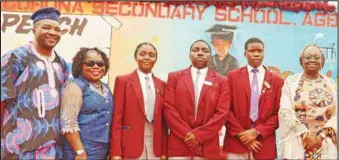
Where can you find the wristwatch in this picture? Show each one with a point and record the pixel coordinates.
(80, 151)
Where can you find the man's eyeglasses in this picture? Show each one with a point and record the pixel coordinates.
(93, 63)
(309, 57)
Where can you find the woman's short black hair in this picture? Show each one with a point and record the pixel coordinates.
(319, 49)
(142, 44)
(79, 59)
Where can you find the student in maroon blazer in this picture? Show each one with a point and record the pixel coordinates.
(195, 107)
(253, 118)
(133, 133)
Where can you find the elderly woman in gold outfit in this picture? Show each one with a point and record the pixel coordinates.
(308, 111)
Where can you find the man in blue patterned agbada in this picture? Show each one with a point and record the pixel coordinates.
(31, 79)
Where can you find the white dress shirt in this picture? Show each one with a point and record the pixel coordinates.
(142, 80)
(202, 77)
(260, 76)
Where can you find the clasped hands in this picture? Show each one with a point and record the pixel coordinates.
(193, 144)
(312, 142)
(248, 138)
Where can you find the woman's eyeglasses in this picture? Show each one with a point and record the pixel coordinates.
(93, 63)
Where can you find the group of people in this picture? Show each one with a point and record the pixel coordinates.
(45, 115)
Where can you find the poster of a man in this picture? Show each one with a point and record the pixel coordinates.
(222, 37)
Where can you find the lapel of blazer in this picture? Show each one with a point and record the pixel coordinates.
(210, 78)
(246, 82)
(189, 83)
(264, 88)
(138, 91)
(158, 93)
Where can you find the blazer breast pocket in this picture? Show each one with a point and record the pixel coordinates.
(268, 100)
(270, 94)
(267, 105)
(213, 92)
(159, 92)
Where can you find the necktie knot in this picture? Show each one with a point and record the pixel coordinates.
(198, 72)
(147, 78)
(255, 70)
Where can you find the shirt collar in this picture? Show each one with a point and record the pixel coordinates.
(202, 71)
(143, 75)
(35, 52)
(261, 68)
